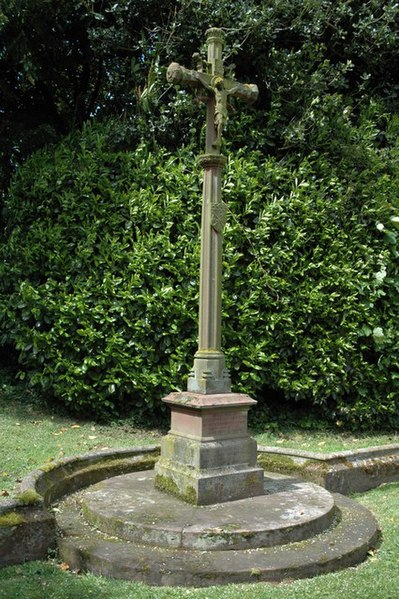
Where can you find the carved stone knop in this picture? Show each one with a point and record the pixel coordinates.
(218, 216)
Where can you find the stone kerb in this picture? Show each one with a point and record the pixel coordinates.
(55, 479)
(27, 532)
(351, 471)
(27, 528)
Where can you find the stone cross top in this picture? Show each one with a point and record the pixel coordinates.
(209, 374)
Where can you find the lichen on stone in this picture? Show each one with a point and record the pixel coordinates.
(29, 497)
(11, 519)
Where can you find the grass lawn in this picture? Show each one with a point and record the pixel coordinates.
(378, 578)
(31, 435)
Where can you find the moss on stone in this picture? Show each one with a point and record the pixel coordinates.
(11, 519)
(310, 469)
(48, 466)
(168, 485)
(255, 572)
(278, 463)
(29, 497)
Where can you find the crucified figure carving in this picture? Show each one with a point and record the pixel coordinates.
(217, 87)
(210, 76)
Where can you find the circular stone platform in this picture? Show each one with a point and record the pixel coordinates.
(131, 530)
(131, 508)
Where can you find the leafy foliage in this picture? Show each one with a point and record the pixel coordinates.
(98, 289)
(99, 272)
(98, 248)
(63, 63)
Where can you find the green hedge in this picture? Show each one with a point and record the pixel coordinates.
(99, 274)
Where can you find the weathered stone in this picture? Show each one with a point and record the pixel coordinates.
(128, 507)
(208, 456)
(26, 533)
(208, 486)
(58, 478)
(192, 469)
(351, 471)
(209, 373)
(345, 542)
(27, 529)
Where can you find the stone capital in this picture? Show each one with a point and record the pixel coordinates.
(214, 34)
(212, 160)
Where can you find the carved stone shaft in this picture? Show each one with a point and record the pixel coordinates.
(209, 374)
(208, 456)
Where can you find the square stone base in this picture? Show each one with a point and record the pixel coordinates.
(207, 456)
(208, 487)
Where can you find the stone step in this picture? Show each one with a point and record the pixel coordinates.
(130, 507)
(345, 543)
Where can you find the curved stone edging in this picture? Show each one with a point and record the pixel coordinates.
(87, 549)
(55, 479)
(27, 528)
(131, 508)
(351, 471)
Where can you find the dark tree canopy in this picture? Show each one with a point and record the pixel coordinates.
(63, 63)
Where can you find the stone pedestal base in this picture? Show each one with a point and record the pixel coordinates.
(208, 456)
(209, 374)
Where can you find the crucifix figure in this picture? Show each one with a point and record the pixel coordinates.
(209, 374)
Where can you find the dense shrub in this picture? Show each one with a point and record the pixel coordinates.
(100, 265)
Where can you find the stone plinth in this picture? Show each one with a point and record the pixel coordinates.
(207, 456)
(125, 528)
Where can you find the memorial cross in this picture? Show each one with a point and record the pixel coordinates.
(209, 374)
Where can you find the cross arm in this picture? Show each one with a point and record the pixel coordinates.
(177, 74)
(248, 92)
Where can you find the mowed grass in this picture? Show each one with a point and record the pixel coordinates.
(377, 578)
(325, 440)
(31, 435)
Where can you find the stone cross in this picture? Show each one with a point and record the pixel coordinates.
(208, 456)
(209, 374)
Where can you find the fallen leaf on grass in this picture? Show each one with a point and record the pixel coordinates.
(60, 432)
(372, 556)
(75, 426)
(5, 494)
(63, 566)
(92, 437)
